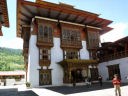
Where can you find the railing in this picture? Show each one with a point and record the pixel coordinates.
(114, 56)
(45, 40)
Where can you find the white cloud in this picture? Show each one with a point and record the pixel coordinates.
(117, 33)
(15, 43)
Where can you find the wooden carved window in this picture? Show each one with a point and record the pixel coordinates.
(71, 55)
(113, 69)
(93, 39)
(45, 33)
(45, 54)
(40, 31)
(70, 36)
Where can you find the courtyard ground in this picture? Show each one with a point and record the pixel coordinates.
(93, 90)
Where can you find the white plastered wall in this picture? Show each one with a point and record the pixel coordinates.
(56, 56)
(123, 65)
(33, 62)
(84, 54)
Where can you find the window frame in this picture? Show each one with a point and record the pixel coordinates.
(41, 54)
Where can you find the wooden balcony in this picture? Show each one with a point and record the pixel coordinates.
(45, 42)
(44, 62)
(71, 44)
(114, 56)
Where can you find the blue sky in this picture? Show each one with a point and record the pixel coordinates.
(115, 10)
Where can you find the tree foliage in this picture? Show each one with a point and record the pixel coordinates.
(11, 59)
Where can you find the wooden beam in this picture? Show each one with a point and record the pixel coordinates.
(82, 21)
(59, 14)
(22, 13)
(66, 18)
(77, 16)
(91, 22)
(25, 21)
(57, 7)
(97, 24)
(49, 13)
(29, 10)
(38, 11)
(3, 6)
(18, 16)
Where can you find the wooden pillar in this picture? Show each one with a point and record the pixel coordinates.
(26, 71)
(89, 71)
(70, 75)
(90, 53)
(126, 49)
(1, 34)
(115, 53)
(86, 70)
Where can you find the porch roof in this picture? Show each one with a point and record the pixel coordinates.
(77, 62)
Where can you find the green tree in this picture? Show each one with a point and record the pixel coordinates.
(11, 59)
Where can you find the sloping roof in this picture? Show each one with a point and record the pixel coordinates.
(4, 12)
(113, 45)
(77, 63)
(27, 10)
(4, 15)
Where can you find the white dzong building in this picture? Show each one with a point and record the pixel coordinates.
(60, 42)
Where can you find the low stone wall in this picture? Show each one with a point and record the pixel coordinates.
(9, 82)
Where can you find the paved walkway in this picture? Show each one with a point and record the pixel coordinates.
(94, 90)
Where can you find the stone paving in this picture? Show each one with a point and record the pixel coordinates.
(94, 90)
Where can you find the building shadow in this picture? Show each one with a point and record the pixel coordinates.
(79, 89)
(27, 93)
(9, 92)
(15, 92)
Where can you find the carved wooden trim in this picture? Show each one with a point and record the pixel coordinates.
(44, 44)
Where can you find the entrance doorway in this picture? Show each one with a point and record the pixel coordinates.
(113, 69)
(94, 74)
(77, 75)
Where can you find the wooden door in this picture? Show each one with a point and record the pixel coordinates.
(94, 73)
(45, 77)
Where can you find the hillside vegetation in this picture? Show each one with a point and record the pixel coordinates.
(11, 59)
